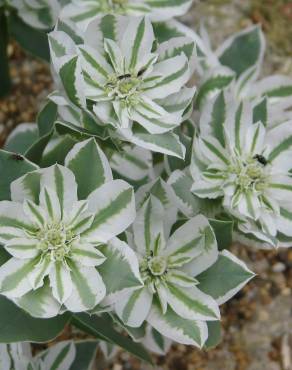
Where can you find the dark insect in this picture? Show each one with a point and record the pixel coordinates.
(141, 72)
(124, 76)
(17, 157)
(261, 159)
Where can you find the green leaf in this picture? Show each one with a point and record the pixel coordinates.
(34, 153)
(80, 133)
(47, 117)
(223, 231)
(88, 177)
(218, 82)
(18, 326)
(260, 112)
(163, 31)
(101, 328)
(32, 40)
(85, 352)
(119, 257)
(214, 334)
(167, 143)
(218, 118)
(21, 138)
(242, 50)
(71, 76)
(225, 277)
(12, 166)
(57, 151)
(45, 121)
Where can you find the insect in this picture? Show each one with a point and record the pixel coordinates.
(261, 159)
(17, 157)
(141, 72)
(124, 76)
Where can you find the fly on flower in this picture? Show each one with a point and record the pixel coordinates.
(127, 81)
(248, 166)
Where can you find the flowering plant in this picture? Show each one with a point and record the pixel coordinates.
(119, 206)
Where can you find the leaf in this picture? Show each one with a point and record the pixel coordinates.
(21, 138)
(71, 77)
(45, 122)
(12, 166)
(119, 257)
(32, 40)
(85, 353)
(57, 150)
(214, 334)
(223, 231)
(46, 118)
(186, 202)
(216, 82)
(218, 117)
(80, 133)
(88, 177)
(102, 329)
(225, 277)
(165, 30)
(17, 326)
(260, 112)
(179, 329)
(242, 50)
(167, 143)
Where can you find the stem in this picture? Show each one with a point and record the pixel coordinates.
(5, 81)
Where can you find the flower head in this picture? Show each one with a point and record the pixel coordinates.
(53, 228)
(247, 165)
(171, 264)
(128, 83)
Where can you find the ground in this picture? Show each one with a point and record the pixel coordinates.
(257, 322)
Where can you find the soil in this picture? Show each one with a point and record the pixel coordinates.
(257, 322)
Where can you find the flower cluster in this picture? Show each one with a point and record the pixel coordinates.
(118, 208)
(127, 82)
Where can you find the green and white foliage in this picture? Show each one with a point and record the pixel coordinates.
(171, 300)
(82, 12)
(155, 342)
(40, 14)
(59, 226)
(247, 166)
(133, 164)
(242, 55)
(61, 356)
(132, 86)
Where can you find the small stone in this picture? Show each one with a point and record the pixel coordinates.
(279, 267)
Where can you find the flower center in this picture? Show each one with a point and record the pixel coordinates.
(157, 265)
(55, 241)
(124, 88)
(251, 173)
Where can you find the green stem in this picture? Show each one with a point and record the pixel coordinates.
(5, 81)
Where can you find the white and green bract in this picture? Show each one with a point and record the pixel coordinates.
(18, 356)
(170, 289)
(52, 228)
(82, 12)
(248, 166)
(183, 276)
(238, 63)
(41, 14)
(127, 81)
